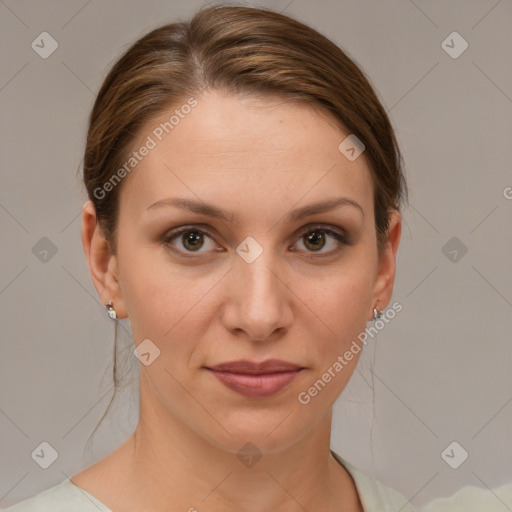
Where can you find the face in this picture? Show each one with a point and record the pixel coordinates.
(275, 280)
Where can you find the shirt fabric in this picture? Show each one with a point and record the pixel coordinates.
(68, 497)
(475, 499)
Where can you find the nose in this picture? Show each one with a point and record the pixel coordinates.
(257, 299)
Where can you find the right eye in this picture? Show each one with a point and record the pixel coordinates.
(190, 238)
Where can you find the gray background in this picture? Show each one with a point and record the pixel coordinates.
(441, 367)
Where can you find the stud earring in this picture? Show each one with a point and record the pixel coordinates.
(377, 313)
(111, 311)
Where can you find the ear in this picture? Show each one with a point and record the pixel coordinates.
(385, 279)
(102, 262)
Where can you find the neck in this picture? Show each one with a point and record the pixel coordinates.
(168, 466)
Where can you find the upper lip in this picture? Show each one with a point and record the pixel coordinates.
(254, 368)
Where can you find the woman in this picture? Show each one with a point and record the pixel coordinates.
(244, 188)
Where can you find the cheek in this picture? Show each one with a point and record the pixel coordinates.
(337, 301)
(165, 303)
(341, 304)
(151, 296)
(341, 309)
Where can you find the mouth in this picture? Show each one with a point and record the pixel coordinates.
(256, 380)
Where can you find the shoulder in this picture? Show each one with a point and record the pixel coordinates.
(374, 495)
(475, 499)
(64, 497)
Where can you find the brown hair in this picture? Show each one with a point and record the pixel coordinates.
(239, 50)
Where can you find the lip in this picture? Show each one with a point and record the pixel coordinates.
(256, 380)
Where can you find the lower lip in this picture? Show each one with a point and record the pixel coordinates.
(256, 386)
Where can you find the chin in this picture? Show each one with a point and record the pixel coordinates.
(263, 430)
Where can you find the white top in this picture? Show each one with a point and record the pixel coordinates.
(475, 499)
(68, 497)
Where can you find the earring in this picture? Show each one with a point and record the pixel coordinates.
(377, 313)
(111, 311)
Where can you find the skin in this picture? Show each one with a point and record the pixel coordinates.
(259, 158)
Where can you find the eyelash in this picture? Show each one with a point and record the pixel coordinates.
(341, 237)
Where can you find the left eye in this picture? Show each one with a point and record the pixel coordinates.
(314, 239)
(316, 236)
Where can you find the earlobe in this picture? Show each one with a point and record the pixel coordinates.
(385, 279)
(102, 262)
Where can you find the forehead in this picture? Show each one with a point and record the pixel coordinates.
(245, 152)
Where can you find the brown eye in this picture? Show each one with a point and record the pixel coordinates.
(190, 239)
(193, 240)
(316, 238)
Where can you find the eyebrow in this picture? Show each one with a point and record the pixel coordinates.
(213, 211)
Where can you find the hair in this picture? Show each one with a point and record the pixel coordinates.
(239, 50)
